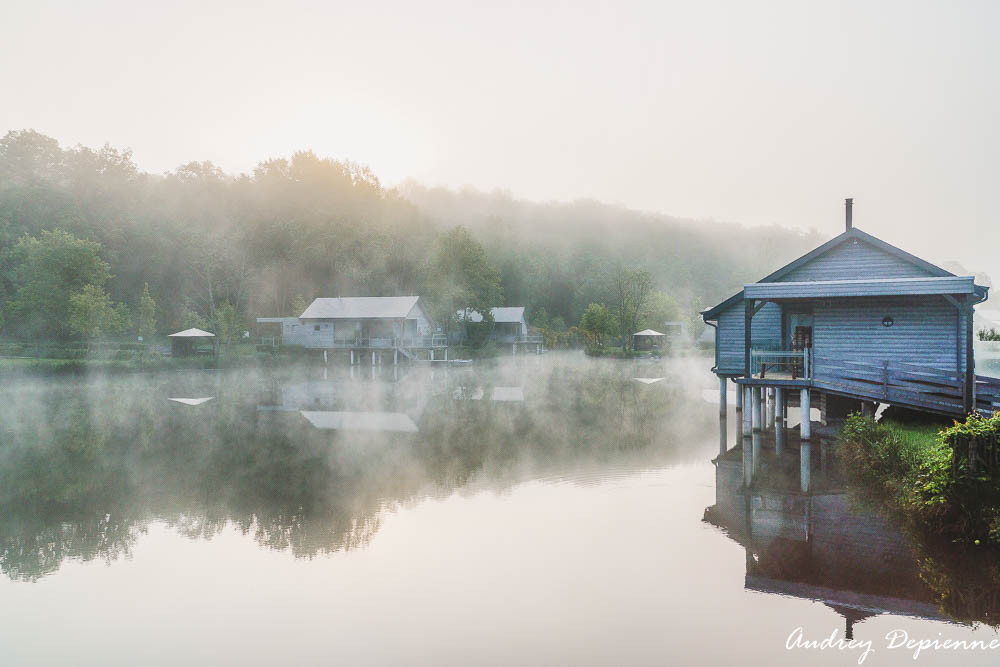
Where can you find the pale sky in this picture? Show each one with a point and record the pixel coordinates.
(750, 112)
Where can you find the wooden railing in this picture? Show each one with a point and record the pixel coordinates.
(898, 382)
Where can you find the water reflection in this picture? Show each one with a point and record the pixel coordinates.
(808, 535)
(300, 464)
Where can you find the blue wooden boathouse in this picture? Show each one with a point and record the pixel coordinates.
(856, 320)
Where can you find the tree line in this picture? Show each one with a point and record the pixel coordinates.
(92, 246)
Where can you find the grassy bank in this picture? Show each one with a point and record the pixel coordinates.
(910, 468)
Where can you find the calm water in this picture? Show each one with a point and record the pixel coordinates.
(543, 511)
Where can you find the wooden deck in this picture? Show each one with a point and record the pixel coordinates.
(899, 383)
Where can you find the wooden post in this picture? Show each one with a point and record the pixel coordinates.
(806, 425)
(747, 339)
(722, 396)
(970, 361)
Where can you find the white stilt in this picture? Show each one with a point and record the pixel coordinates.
(324, 357)
(756, 409)
(770, 407)
(722, 396)
(395, 356)
(779, 420)
(804, 427)
(352, 357)
(446, 354)
(805, 466)
(747, 413)
(755, 439)
(723, 433)
(747, 461)
(739, 399)
(373, 357)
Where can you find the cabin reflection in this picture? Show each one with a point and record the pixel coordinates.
(815, 545)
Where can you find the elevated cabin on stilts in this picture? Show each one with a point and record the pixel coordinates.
(396, 325)
(854, 323)
(510, 327)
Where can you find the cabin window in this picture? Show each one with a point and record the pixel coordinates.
(315, 327)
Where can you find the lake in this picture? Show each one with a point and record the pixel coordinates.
(543, 510)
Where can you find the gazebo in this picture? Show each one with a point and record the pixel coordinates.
(647, 339)
(185, 343)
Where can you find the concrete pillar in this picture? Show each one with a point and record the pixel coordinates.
(324, 357)
(755, 393)
(722, 396)
(373, 357)
(446, 354)
(723, 434)
(805, 466)
(747, 461)
(739, 399)
(395, 356)
(352, 357)
(806, 426)
(770, 407)
(747, 413)
(755, 440)
(779, 420)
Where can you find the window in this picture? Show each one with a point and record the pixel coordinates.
(315, 327)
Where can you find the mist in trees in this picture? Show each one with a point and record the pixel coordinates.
(199, 247)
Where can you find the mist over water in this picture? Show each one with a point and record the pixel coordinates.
(539, 510)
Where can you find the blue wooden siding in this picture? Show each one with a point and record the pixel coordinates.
(924, 332)
(766, 331)
(854, 260)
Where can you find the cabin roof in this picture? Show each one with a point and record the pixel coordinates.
(647, 332)
(501, 314)
(360, 308)
(853, 233)
(192, 333)
(869, 287)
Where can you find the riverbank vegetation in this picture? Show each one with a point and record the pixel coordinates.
(911, 468)
(93, 248)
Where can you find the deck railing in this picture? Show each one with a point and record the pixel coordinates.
(914, 385)
(780, 364)
(518, 338)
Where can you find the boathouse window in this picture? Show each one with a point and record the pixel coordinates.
(315, 327)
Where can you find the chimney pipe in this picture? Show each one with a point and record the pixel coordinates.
(849, 203)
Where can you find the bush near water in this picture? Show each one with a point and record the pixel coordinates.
(912, 469)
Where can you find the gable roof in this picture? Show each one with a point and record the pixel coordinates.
(853, 233)
(360, 308)
(503, 314)
(192, 333)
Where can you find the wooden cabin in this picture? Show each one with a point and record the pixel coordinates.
(510, 327)
(370, 323)
(855, 318)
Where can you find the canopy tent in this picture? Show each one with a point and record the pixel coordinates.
(192, 333)
(185, 343)
(646, 339)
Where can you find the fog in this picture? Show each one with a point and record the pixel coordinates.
(721, 110)
(310, 459)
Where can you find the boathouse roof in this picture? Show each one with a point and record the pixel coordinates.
(360, 308)
(854, 235)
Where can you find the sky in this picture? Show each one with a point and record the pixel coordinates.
(747, 112)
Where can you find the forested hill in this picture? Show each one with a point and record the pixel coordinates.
(266, 242)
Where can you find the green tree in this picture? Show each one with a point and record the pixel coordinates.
(147, 313)
(299, 305)
(631, 289)
(49, 270)
(463, 278)
(597, 322)
(92, 314)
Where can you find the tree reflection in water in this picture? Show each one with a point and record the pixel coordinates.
(304, 464)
